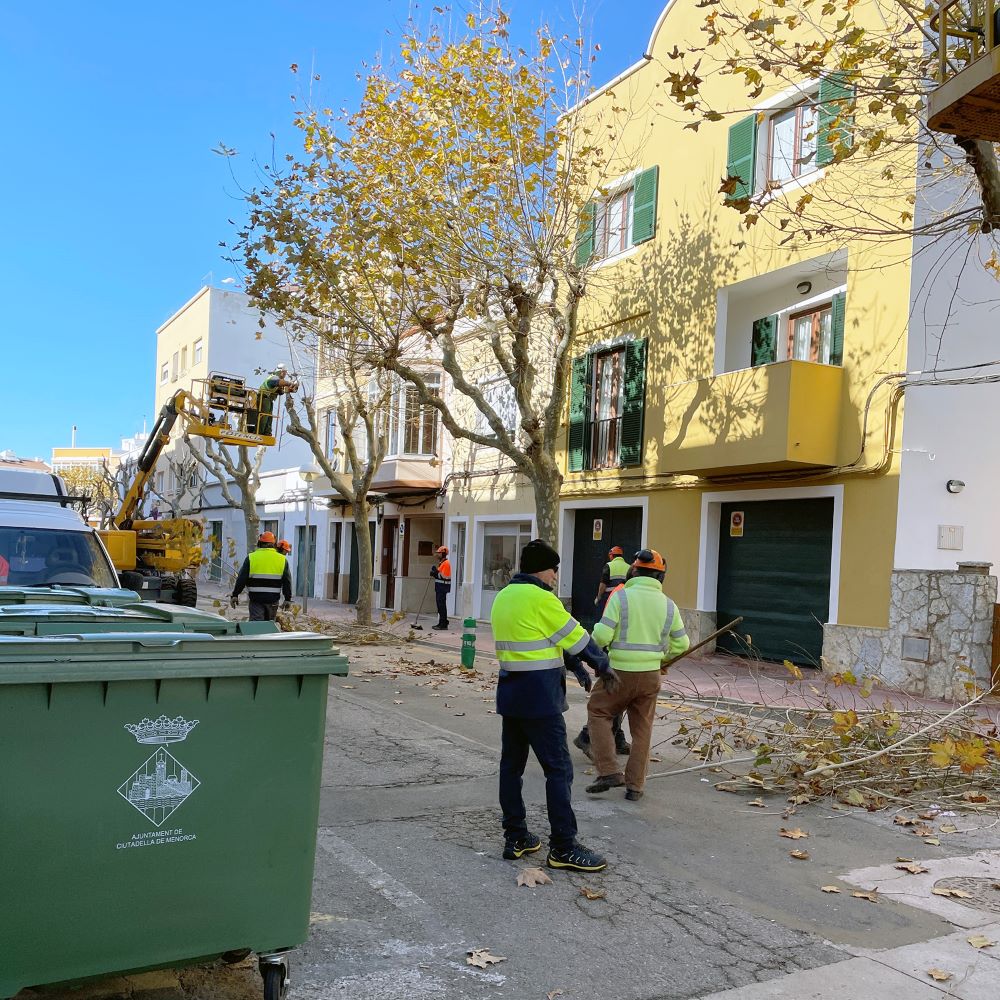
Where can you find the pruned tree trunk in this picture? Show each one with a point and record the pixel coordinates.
(362, 539)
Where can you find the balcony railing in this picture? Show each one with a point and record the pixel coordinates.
(605, 438)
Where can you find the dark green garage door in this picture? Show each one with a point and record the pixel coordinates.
(776, 574)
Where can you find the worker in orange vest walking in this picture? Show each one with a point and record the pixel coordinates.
(442, 587)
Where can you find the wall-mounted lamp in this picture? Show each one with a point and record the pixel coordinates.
(954, 486)
(804, 287)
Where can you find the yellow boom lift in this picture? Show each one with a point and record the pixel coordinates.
(966, 102)
(152, 557)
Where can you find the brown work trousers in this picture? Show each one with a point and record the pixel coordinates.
(637, 693)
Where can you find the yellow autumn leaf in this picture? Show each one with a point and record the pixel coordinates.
(942, 753)
(795, 671)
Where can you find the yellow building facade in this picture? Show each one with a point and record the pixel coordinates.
(729, 406)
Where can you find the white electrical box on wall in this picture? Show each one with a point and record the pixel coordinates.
(951, 536)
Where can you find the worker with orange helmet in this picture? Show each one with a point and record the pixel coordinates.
(266, 576)
(641, 629)
(284, 547)
(442, 587)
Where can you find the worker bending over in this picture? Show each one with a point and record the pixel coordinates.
(641, 629)
(266, 576)
(533, 631)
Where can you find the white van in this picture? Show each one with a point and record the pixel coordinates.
(43, 540)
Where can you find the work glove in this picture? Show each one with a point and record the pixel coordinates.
(287, 606)
(234, 601)
(583, 676)
(611, 682)
(434, 571)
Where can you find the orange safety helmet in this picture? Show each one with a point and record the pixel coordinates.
(442, 550)
(616, 550)
(649, 559)
(284, 547)
(266, 538)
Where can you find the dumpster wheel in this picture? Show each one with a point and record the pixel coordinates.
(274, 972)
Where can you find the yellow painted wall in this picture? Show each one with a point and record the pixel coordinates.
(667, 291)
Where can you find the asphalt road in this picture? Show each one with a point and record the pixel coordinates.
(701, 895)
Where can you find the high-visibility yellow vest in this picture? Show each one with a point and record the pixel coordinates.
(532, 629)
(618, 570)
(641, 626)
(267, 567)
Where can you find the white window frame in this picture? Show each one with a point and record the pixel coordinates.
(196, 352)
(164, 372)
(332, 440)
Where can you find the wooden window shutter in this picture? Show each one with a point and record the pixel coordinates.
(579, 411)
(742, 155)
(644, 205)
(633, 412)
(838, 309)
(834, 120)
(764, 347)
(585, 234)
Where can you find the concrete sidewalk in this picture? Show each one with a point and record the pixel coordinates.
(701, 677)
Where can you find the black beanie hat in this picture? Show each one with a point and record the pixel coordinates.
(538, 555)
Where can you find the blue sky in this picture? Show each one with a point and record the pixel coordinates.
(113, 203)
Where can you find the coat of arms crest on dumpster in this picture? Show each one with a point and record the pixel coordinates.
(162, 784)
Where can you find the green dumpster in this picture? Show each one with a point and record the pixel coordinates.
(159, 792)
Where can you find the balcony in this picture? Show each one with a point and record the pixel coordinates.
(605, 437)
(397, 474)
(779, 416)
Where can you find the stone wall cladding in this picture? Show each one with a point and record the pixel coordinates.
(953, 611)
(698, 625)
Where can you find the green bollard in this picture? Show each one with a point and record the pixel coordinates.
(469, 644)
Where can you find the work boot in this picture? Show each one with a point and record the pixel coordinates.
(527, 843)
(582, 742)
(633, 795)
(440, 628)
(576, 858)
(622, 745)
(605, 782)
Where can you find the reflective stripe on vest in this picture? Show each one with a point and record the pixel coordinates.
(617, 570)
(267, 567)
(532, 629)
(643, 627)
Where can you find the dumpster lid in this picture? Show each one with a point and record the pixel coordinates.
(139, 655)
(54, 593)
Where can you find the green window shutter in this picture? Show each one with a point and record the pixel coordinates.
(834, 121)
(837, 329)
(741, 156)
(579, 398)
(585, 234)
(644, 205)
(630, 451)
(764, 347)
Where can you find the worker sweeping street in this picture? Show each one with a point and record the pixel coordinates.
(266, 577)
(641, 629)
(442, 587)
(535, 635)
(613, 577)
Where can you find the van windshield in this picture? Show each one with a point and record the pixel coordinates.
(33, 557)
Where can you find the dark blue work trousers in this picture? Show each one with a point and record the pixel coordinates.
(441, 597)
(547, 738)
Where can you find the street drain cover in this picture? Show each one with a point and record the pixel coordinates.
(984, 892)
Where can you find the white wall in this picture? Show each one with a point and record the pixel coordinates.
(949, 432)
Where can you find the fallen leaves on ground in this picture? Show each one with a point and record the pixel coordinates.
(552, 994)
(799, 855)
(933, 841)
(913, 867)
(980, 941)
(758, 803)
(532, 877)
(589, 893)
(943, 890)
(923, 831)
(904, 821)
(939, 975)
(949, 828)
(482, 959)
(872, 896)
(829, 888)
(795, 834)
